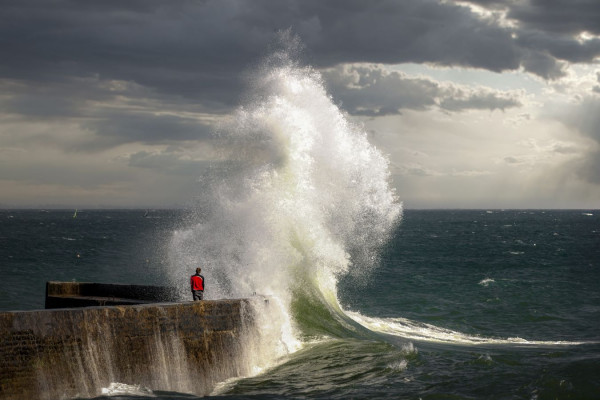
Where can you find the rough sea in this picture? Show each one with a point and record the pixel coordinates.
(462, 304)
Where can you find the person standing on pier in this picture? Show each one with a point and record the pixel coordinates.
(197, 282)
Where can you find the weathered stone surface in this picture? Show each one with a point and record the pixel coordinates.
(184, 347)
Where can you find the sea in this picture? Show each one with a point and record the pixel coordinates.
(369, 299)
(462, 304)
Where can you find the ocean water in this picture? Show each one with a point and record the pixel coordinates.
(369, 300)
(462, 304)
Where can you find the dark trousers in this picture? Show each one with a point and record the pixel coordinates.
(197, 294)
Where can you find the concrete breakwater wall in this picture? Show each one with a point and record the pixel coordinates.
(182, 347)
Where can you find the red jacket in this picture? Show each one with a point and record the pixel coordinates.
(197, 282)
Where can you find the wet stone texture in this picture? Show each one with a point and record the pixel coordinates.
(66, 353)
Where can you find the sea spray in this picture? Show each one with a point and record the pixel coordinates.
(301, 196)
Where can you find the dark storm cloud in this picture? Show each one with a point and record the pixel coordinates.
(93, 105)
(122, 128)
(59, 99)
(41, 105)
(370, 90)
(561, 16)
(192, 49)
(411, 31)
(560, 47)
(543, 64)
(373, 91)
(548, 31)
(478, 100)
(197, 51)
(199, 48)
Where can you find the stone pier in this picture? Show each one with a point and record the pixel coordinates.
(183, 347)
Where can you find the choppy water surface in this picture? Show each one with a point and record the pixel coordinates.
(470, 304)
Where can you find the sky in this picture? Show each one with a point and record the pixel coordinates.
(477, 104)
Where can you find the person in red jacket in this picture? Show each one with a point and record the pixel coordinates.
(197, 282)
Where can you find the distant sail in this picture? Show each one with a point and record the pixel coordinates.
(75, 215)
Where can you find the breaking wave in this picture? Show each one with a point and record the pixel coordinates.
(299, 197)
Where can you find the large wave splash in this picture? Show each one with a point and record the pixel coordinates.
(301, 198)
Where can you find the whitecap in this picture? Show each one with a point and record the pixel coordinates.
(486, 282)
(414, 330)
(398, 365)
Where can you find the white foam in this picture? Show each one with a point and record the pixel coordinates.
(400, 365)
(117, 388)
(486, 282)
(413, 330)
